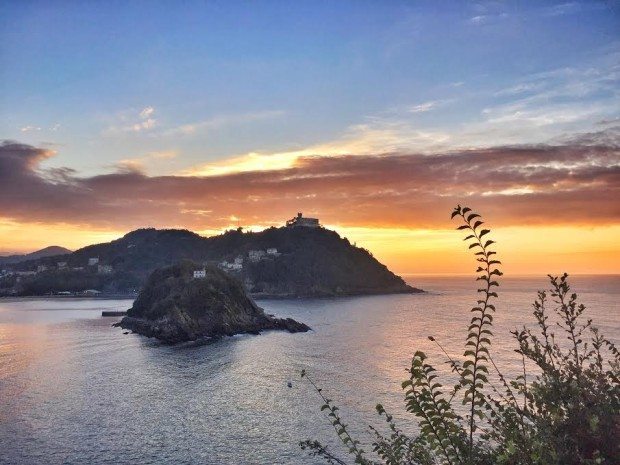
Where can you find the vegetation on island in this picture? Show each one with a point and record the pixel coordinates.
(175, 306)
(563, 410)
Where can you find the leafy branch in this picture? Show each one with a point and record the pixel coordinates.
(475, 371)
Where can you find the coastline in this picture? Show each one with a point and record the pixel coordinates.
(254, 296)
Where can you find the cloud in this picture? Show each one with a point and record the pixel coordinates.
(127, 122)
(575, 182)
(142, 125)
(376, 135)
(29, 128)
(143, 163)
(569, 8)
(487, 18)
(220, 122)
(424, 107)
(147, 112)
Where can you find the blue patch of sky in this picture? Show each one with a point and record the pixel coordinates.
(324, 66)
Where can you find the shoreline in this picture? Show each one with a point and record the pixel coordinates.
(9, 298)
(254, 296)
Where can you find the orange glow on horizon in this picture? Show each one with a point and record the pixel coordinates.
(524, 250)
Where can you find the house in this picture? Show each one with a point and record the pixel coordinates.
(41, 268)
(61, 265)
(299, 220)
(256, 255)
(93, 261)
(199, 274)
(25, 273)
(230, 266)
(104, 269)
(272, 251)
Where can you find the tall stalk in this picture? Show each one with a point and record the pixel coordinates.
(475, 370)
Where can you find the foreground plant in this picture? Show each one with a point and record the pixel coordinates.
(567, 413)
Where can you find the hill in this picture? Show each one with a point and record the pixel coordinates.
(174, 306)
(51, 251)
(302, 262)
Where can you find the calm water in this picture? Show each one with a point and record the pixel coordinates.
(74, 390)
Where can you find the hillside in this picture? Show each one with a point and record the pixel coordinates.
(308, 262)
(175, 307)
(50, 251)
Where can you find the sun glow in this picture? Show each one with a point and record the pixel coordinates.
(27, 237)
(524, 249)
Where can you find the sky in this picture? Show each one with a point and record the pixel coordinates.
(377, 117)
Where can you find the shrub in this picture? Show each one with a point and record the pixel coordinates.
(568, 413)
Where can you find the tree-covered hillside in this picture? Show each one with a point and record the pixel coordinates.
(308, 262)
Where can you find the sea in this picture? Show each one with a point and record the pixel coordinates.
(76, 390)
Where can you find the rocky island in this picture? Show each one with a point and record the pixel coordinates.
(186, 302)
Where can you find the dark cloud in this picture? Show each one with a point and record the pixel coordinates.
(576, 182)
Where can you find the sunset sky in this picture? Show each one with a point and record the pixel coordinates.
(378, 117)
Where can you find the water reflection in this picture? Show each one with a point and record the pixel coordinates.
(75, 390)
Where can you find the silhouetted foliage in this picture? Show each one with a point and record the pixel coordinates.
(563, 409)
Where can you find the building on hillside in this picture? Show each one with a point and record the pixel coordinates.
(41, 268)
(199, 274)
(256, 255)
(299, 220)
(231, 266)
(61, 265)
(272, 251)
(93, 261)
(104, 269)
(25, 273)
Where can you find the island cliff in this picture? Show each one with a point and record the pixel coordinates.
(174, 306)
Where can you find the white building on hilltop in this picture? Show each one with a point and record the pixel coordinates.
(299, 220)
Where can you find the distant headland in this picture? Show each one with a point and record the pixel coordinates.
(299, 259)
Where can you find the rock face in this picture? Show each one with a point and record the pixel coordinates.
(175, 307)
